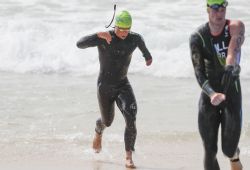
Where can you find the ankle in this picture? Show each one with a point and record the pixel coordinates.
(128, 155)
(98, 135)
(236, 165)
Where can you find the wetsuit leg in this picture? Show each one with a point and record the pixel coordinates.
(209, 121)
(127, 104)
(231, 120)
(106, 101)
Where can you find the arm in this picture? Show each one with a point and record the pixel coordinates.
(237, 31)
(145, 52)
(232, 68)
(199, 69)
(195, 45)
(88, 41)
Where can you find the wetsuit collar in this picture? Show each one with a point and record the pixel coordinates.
(215, 35)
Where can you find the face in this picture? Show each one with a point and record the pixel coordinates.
(217, 16)
(122, 33)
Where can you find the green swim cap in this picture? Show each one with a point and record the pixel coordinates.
(218, 2)
(123, 20)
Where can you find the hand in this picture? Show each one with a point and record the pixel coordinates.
(217, 98)
(231, 70)
(236, 71)
(149, 62)
(106, 36)
(231, 73)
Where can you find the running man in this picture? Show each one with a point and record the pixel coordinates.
(216, 51)
(115, 49)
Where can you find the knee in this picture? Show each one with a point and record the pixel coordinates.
(107, 123)
(103, 123)
(131, 110)
(211, 151)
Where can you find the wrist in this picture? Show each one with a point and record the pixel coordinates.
(206, 87)
(229, 68)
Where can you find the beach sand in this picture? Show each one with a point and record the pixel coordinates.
(47, 122)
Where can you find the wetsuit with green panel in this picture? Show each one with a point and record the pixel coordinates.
(113, 85)
(208, 54)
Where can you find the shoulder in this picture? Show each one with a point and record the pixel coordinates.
(236, 27)
(202, 30)
(236, 23)
(199, 35)
(136, 36)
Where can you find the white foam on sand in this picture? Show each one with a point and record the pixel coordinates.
(41, 37)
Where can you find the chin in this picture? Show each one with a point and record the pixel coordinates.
(123, 37)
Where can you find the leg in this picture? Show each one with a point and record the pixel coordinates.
(209, 121)
(106, 101)
(106, 105)
(230, 130)
(231, 126)
(127, 104)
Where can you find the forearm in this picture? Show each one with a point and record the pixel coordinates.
(88, 41)
(234, 51)
(145, 52)
(198, 64)
(143, 49)
(206, 88)
(200, 73)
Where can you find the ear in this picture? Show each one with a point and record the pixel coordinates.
(208, 9)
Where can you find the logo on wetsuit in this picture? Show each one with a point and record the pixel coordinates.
(221, 44)
(221, 50)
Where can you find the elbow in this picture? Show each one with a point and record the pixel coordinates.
(81, 45)
(78, 44)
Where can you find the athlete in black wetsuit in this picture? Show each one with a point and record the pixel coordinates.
(115, 51)
(215, 52)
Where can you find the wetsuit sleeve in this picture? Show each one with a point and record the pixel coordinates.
(143, 48)
(196, 46)
(88, 41)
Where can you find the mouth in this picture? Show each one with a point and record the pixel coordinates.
(123, 37)
(219, 19)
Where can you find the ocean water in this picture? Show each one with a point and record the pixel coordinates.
(40, 36)
(48, 104)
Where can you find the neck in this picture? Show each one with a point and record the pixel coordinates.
(216, 29)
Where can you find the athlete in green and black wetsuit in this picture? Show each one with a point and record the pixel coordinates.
(115, 51)
(215, 50)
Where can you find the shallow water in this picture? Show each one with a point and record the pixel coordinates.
(48, 104)
(50, 118)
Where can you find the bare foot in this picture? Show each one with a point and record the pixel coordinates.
(129, 162)
(236, 165)
(97, 143)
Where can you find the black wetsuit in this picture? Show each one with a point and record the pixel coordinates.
(208, 54)
(113, 85)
